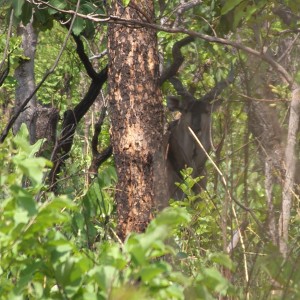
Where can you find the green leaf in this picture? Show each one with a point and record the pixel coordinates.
(150, 272)
(20, 217)
(26, 13)
(229, 5)
(78, 26)
(59, 4)
(134, 247)
(171, 216)
(243, 11)
(58, 204)
(69, 276)
(182, 255)
(22, 141)
(214, 280)
(42, 19)
(17, 6)
(105, 276)
(59, 245)
(25, 200)
(27, 274)
(87, 8)
(158, 233)
(33, 168)
(223, 260)
(125, 2)
(112, 255)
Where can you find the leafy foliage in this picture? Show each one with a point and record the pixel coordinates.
(47, 253)
(65, 246)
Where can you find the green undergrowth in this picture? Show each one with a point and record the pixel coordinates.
(65, 247)
(55, 247)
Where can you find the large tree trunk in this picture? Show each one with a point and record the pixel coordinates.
(136, 117)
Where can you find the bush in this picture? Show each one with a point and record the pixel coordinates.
(56, 248)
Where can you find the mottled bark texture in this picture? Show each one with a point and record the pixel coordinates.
(290, 166)
(264, 125)
(24, 75)
(277, 152)
(136, 116)
(40, 121)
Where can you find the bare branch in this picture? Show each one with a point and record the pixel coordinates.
(224, 182)
(212, 39)
(187, 5)
(98, 127)
(183, 7)
(92, 17)
(71, 119)
(98, 56)
(236, 236)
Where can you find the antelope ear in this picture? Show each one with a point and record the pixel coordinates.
(174, 103)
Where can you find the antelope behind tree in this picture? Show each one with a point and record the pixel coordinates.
(183, 150)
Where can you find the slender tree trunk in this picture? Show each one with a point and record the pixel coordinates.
(280, 160)
(40, 121)
(290, 164)
(136, 116)
(24, 74)
(264, 125)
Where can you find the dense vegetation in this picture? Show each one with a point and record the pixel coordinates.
(58, 228)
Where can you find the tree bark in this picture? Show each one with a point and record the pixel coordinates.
(136, 117)
(263, 123)
(279, 157)
(290, 165)
(40, 121)
(24, 74)
(73, 116)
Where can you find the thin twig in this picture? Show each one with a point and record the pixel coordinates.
(212, 39)
(242, 244)
(223, 180)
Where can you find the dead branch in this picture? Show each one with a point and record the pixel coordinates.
(98, 157)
